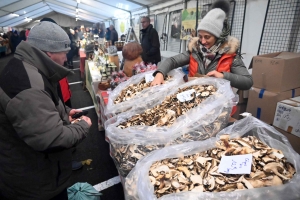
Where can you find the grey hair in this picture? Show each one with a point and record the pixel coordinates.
(147, 18)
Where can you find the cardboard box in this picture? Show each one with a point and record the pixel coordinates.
(276, 72)
(287, 116)
(294, 140)
(262, 103)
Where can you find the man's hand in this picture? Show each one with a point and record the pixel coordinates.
(158, 79)
(72, 112)
(215, 74)
(87, 119)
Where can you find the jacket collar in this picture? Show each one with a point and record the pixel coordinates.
(32, 55)
(232, 44)
(147, 29)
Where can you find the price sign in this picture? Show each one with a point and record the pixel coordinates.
(149, 77)
(239, 164)
(186, 95)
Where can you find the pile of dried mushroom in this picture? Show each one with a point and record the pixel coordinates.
(133, 89)
(199, 172)
(171, 108)
(126, 156)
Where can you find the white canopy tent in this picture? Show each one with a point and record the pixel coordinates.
(20, 13)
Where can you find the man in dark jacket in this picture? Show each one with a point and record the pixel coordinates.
(36, 134)
(113, 34)
(149, 42)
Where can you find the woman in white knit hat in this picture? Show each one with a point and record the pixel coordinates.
(212, 53)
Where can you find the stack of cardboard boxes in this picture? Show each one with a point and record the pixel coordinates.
(276, 77)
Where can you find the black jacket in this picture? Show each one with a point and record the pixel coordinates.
(150, 44)
(113, 36)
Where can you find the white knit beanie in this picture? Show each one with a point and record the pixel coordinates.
(213, 21)
(50, 37)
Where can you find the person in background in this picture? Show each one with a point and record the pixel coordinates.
(212, 53)
(23, 35)
(27, 32)
(107, 34)
(113, 34)
(37, 138)
(77, 42)
(15, 40)
(80, 32)
(150, 42)
(101, 32)
(70, 54)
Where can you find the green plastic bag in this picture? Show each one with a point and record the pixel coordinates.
(83, 191)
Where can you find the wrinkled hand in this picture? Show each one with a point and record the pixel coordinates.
(215, 74)
(158, 79)
(72, 112)
(87, 119)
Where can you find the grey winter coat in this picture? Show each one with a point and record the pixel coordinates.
(36, 136)
(238, 76)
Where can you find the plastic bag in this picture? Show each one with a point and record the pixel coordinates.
(199, 123)
(138, 177)
(83, 191)
(147, 94)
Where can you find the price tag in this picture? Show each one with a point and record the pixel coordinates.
(239, 164)
(149, 77)
(186, 95)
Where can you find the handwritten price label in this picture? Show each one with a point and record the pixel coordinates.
(240, 164)
(149, 77)
(186, 95)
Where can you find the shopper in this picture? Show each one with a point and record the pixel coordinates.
(36, 136)
(77, 42)
(22, 35)
(107, 34)
(214, 53)
(70, 54)
(150, 42)
(80, 32)
(113, 34)
(15, 40)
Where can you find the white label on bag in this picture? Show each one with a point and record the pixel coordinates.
(149, 77)
(186, 95)
(239, 164)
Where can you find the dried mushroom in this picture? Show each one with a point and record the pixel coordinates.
(170, 109)
(132, 90)
(198, 172)
(125, 159)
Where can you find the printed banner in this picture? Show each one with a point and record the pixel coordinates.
(176, 24)
(188, 24)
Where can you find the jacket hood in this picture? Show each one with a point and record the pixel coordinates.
(232, 44)
(32, 55)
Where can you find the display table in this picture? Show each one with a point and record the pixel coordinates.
(102, 99)
(93, 78)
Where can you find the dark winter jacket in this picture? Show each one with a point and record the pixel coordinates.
(150, 44)
(238, 76)
(113, 36)
(107, 34)
(36, 137)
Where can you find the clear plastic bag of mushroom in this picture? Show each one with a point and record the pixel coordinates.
(167, 121)
(136, 91)
(190, 170)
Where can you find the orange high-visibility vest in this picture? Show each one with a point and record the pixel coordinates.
(224, 64)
